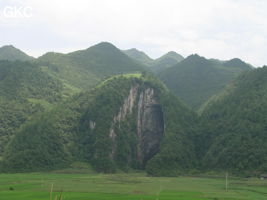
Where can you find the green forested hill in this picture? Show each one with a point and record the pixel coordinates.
(196, 79)
(24, 91)
(26, 80)
(139, 56)
(95, 106)
(121, 124)
(85, 68)
(235, 124)
(27, 88)
(11, 53)
(168, 60)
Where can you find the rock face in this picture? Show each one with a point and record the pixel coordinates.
(128, 105)
(150, 126)
(149, 122)
(125, 109)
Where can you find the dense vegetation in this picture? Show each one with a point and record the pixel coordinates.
(235, 135)
(24, 91)
(196, 79)
(20, 80)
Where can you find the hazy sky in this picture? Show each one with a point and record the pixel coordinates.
(220, 29)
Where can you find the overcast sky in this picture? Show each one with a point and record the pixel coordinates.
(221, 29)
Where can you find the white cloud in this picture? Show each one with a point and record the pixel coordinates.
(213, 28)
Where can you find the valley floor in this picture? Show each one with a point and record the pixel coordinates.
(134, 186)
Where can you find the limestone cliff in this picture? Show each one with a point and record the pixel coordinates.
(150, 125)
(148, 120)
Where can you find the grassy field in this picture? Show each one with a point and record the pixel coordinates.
(37, 186)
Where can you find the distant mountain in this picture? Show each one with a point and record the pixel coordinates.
(196, 79)
(235, 136)
(24, 91)
(168, 60)
(172, 54)
(11, 53)
(139, 56)
(127, 122)
(238, 64)
(85, 68)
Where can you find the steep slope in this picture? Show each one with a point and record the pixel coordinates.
(140, 56)
(121, 124)
(236, 125)
(26, 80)
(196, 79)
(85, 68)
(24, 91)
(11, 53)
(168, 60)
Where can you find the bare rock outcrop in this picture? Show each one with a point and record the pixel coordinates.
(149, 122)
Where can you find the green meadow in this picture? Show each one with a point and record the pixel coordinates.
(134, 186)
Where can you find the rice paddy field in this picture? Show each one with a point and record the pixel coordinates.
(134, 186)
